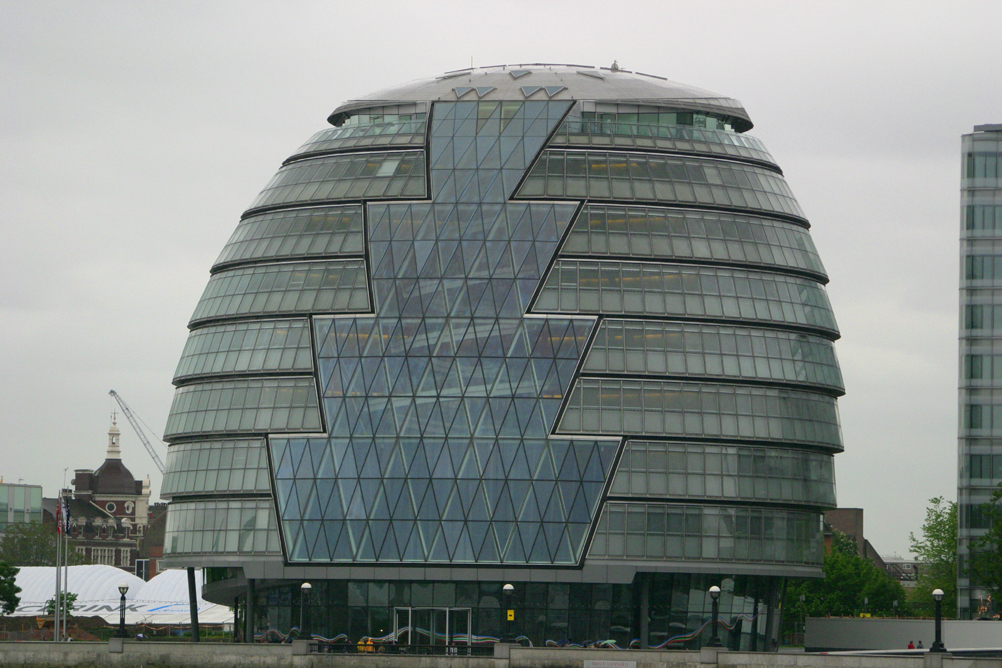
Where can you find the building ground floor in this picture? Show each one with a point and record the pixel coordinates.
(655, 610)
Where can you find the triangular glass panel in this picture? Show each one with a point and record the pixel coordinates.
(529, 90)
(462, 90)
(484, 90)
(553, 90)
(518, 74)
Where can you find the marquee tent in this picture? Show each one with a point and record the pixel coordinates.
(162, 600)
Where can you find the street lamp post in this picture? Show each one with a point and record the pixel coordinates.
(937, 646)
(304, 593)
(714, 638)
(123, 590)
(508, 590)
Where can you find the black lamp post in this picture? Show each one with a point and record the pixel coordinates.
(714, 638)
(508, 590)
(937, 646)
(123, 590)
(304, 593)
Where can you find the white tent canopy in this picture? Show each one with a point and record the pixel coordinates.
(162, 600)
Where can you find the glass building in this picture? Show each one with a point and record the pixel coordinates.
(551, 326)
(980, 442)
(19, 503)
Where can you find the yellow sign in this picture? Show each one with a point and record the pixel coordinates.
(865, 614)
(511, 615)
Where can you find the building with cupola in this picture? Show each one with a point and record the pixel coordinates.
(109, 509)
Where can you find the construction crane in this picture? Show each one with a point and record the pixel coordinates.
(139, 431)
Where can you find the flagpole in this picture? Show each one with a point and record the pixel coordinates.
(59, 545)
(66, 563)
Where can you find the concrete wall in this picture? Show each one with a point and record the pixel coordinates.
(862, 634)
(210, 655)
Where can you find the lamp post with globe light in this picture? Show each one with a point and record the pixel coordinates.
(508, 590)
(714, 638)
(937, 646)
(304, 593)
(123, 589)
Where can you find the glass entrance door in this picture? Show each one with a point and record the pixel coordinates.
(433, 627)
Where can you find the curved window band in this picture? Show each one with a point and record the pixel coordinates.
(660, 532)
(696, 410)
(260, 346)
(227, 466)
(715, 351)
(674, 138)
(667, 234)
(285, 289)
(728, 472)
(353, 176)
(243, 526)
(636, 288)
(658, 178)
(255, 405)
(316, 231)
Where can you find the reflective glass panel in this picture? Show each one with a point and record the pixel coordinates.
(281, 289)
(240, 526)
(261, 346)
(657, 233)
(646, 288)
(646, 347)
(227, 466)
(615, 406)
(258, 405)
(299, 233)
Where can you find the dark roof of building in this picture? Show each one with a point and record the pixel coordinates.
(551, 82)
(113, 478)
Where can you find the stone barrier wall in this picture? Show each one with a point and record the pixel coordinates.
(132, 654)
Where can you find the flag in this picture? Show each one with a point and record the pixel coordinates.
(59, 516)
(66, 515)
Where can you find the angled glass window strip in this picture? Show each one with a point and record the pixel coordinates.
(735, 472)
(656, 233)
(673, 138)
(261, 346)
(660, 531)
(285, 289)
(712, 351)
(319, 231)
(659, 178)
(229, 466)
(389, 131)
(253, 405)
(703, 410)
(350, 176)
(488, 500)
(241, 526)
(634, 288)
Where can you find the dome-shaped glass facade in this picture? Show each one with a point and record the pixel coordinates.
(556, 318)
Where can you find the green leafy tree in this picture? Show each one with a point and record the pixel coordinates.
(937, 550)
(68, 597)
(986, 551)
(32, 544)
(9, 591)
(852, 585)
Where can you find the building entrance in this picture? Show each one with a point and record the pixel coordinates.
(432, 626)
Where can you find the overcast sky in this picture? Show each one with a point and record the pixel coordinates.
(133, 135)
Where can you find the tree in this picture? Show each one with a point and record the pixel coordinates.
(69, 598)
(852, 584)
(9, 591)
(937, 550)
(32, 544)
(985, 556)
